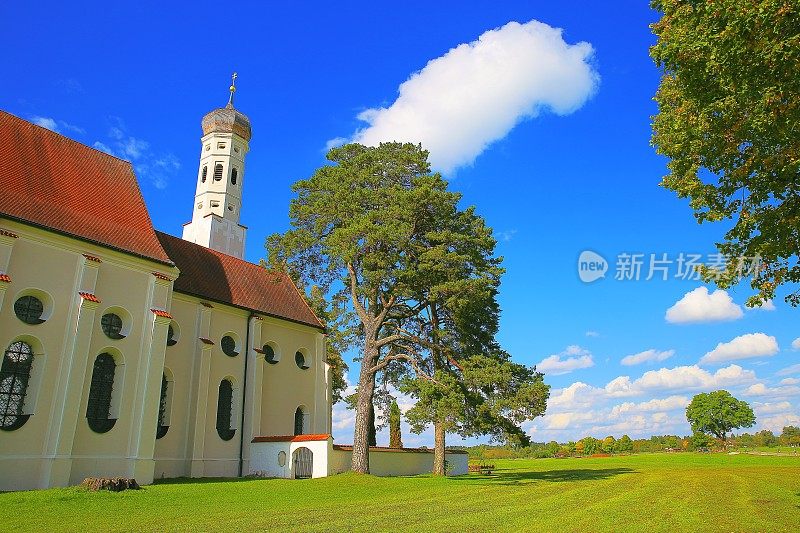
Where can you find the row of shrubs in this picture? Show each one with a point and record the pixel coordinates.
(589, 446)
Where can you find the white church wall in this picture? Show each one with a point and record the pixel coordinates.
(55, 447)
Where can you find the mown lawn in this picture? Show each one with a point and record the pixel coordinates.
(664, 492)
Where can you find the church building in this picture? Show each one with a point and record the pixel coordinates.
(128, 352)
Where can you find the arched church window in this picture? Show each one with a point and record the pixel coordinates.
(299, 419)
(15, 374)
(162, 428)
(98, 408)
(225, 410)
(205, 173)
(218, 172)
(234, 176)
(29, 309)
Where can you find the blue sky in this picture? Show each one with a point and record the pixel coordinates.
(135, 79)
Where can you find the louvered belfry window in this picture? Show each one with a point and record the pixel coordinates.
(15, 374)
(162, 429)
(205, 173)
(234, 176)
(218, 172)
(225, 410)
(98, 408)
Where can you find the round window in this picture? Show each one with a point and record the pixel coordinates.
(269, 354)
(300, 360)
(281, 458)
(29, 309)
(112, 326)
(228, 346)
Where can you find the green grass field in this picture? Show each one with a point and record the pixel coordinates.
(664, 492)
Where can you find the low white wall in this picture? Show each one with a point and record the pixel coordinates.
(329, 459)
(400, 462)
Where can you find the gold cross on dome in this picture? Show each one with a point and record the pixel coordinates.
(232, 88)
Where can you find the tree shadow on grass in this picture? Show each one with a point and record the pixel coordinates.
(513, 476)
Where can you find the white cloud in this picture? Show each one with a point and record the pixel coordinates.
(45, 122)
(778, 422)
(790, 381)
(742, 347)
(473, 95)
(57, 126)
(781, 391)
(679, 378)
(579, 395)
(655, 405)
(794, 369)
(572, 358)
(592, 333)
(766, 306)
(701, 306)
(102, 147)
(771, 408)
(156, 168)
(796, 344)
(647, 356)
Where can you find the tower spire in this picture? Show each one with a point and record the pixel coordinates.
(232, 89)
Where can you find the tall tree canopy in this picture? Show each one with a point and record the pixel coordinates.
(729, 122)
(716, 413)
(356, 228)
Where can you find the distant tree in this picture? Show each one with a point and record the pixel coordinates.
(716, 413)
(624, 444)
(580, 448)
(608, 444)
(671, 442)
(790, 436)
(765, 438)
(395, 437)
(700, 441)
(590, 445)
(727, 119)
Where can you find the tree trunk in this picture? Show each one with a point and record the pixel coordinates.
(372, 439)
(366, 389)
(438, 449)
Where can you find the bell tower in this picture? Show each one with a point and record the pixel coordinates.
(218, 199)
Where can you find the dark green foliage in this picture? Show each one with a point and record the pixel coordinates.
(728, 110)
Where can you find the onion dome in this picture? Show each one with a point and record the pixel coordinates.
(228, 119)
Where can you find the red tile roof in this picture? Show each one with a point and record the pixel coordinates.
(206, 341)
(59, 184)
(5, 277)
(161, 313)
(7, 233)
(89, 296)
(222, 278)
(292, 438)
(93, 258)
